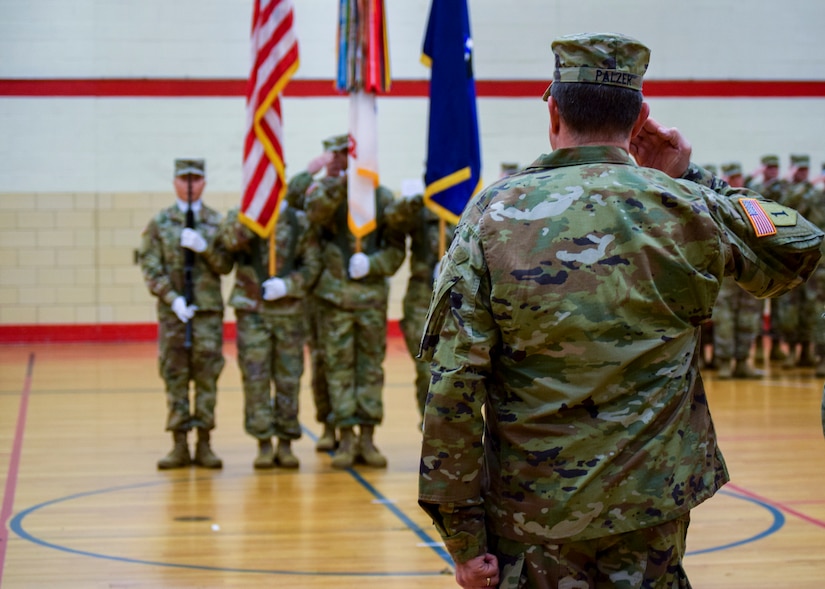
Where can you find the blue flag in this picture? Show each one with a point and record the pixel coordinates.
(453, 172)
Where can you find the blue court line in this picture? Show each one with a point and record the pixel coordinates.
(776, 525)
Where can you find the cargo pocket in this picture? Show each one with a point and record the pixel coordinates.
(437, 314)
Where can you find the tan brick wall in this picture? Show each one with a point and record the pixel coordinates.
(69, 258)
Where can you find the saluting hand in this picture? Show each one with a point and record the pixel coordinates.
(662, 148)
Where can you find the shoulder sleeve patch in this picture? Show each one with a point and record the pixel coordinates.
(781, 216)
(758, 217)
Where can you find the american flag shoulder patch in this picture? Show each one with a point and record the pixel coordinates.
(761, 222)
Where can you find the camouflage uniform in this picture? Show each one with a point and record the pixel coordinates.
(816, 289)
(271, 333)
(162, 264)
(566, 403)
(423, 226)
(353, 313)
(798, 305)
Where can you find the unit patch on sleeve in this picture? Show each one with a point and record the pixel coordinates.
(762, 224)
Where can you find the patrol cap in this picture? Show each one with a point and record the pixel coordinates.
(732, 169)
(770, 160)
(509, 168)
(800, 160)
(336, 143)
(600, 58)
(194, 167)
(711, 168)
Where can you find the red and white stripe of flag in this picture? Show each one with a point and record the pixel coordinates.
(274, 61)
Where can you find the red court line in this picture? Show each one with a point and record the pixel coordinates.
(781, 506)
(14, 465)
(401, 88)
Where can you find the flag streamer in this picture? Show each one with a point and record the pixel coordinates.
(453, 173)
(274, 61)
(362, 72)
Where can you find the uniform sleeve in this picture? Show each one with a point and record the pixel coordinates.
(459, 335)
(403, 213)
(155, 274)
(388, 259)
(234, 235)
(217, 256)
(323, 197)
(773, 248)
(296, 189)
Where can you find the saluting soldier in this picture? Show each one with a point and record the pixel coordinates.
(197, 356)
(567, 435)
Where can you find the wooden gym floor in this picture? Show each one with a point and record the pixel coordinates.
(83, 506)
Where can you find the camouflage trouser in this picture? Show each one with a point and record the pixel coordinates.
(822, 411)
(320, 389)
(737, 318)
(354, 344)
(650, 558)
(271, 350)
(202, 364)
(416, 303)
(796, 309)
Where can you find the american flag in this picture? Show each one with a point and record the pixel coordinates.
(274, 61)
(761, 222)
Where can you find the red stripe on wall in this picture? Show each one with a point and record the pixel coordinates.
(108, 332)
(302, 88)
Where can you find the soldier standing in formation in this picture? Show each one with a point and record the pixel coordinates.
(194, 353)
(798, 306)
(352, 295)
(334, 161)
(737, 315)
(271, 326)
(410, 216)
(566, 432)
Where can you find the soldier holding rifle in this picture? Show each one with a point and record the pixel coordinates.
(181, 266)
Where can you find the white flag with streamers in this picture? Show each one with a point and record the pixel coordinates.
(362, 178)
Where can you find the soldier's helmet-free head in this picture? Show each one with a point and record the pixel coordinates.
(800, 160)
(732, 169)
(770, 160)
(184, 167)
(336, 143)
(599, 58)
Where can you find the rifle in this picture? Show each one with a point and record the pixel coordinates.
(188, 265)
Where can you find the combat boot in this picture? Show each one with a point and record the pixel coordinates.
(777, 355)
(820, 368)
(742, 370)
(326, 443)
(345, 454)
(790, 358)
(284, 456)
(725, 369)
(203, 452)
(179, 456)
(265, 458)
(367, 452)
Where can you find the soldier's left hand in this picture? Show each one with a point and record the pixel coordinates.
(191, 239)
(359, 265)
(274, 289)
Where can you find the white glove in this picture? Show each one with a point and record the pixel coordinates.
(182, 310)
(274, 288)
(359, 265)
(436, 270)
(191, 239)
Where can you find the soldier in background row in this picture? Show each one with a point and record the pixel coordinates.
(737, 314)
(162, 262)
(352, 295)
(411, 216)
(271, 326)
(333, 161)
(798, 306)
(767, 182)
